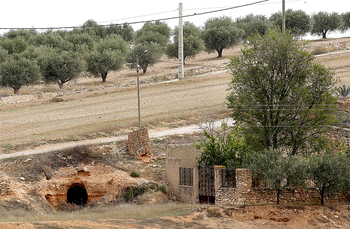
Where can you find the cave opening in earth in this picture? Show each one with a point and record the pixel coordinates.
(77, 194)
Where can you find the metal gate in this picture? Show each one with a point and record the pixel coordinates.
(206, 184)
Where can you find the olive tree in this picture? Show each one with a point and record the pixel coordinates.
(192, 42)
(329, 172)
(16, 73)
(346, 20)
(252, 24)
(297, 21)
(152, 56)
(279, 171)
(325, 23)
(280, 96)
(109, 55)
(60, 67)
(157, 32)
(221, 33)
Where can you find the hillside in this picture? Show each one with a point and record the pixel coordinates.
(40, 115)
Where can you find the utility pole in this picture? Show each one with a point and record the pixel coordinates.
(180, 44)
(138, 87)
(283, 16)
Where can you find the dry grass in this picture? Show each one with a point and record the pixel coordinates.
(124, 211)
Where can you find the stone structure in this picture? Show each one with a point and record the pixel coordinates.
(244, 194)
(138, 143)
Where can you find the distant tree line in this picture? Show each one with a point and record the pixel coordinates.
(27, 56)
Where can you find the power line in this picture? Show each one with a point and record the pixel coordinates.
(139, 22)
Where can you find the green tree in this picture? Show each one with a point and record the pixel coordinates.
(46, 39)
(221, 33)
(325, 23)
(278, 170)
(192, 42)
(157, 32)
(154, 53)
(252, 24)
(225, 147)
(279, 96)
(329, 173)
(23, 33)
(297, 21)
(125, 31)
(16, 73)
(346, 20)
(15, 45)
(91, 27)
(60, 67)
(3, 54)
(82, 42)
(109, 56)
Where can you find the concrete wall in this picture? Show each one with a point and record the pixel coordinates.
(182, 155)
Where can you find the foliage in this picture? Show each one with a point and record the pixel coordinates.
(15, 45)
(81, 42)
(3, 54)
(125, 31)
(108, 56)
(279, 96)
(99, 64)
(346, 20)
(298, 22)
(221, 33)
(157, 32)
(330, 173)
(151, 57)
(225, 147)
(16, 73)
(47, 39)
(280, 171)
(192, 42)
(252, 24)
(343, 91)
(60, 67)
(134, 174)
(325, 22)
(134, 192)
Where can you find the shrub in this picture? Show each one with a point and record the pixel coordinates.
(134, 174)
(161, 188)
(134, 192)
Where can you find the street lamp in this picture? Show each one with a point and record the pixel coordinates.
(138, 86)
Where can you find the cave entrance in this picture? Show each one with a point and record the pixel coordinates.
(77, 194)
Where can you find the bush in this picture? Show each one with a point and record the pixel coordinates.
(161, 188)
(134, 174)
(134, 192)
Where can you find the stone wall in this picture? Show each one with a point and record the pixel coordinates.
(138, 143)
(245, 194)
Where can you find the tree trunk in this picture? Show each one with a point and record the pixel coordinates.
(322, 195)
(219, 52)
(278, 196)
(104, 77)
(15, 90)
(60, 84)
(144, 69)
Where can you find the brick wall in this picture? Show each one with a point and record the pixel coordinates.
(138, 143)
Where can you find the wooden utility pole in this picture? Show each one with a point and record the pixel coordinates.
(283, 16)
(181, 42)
